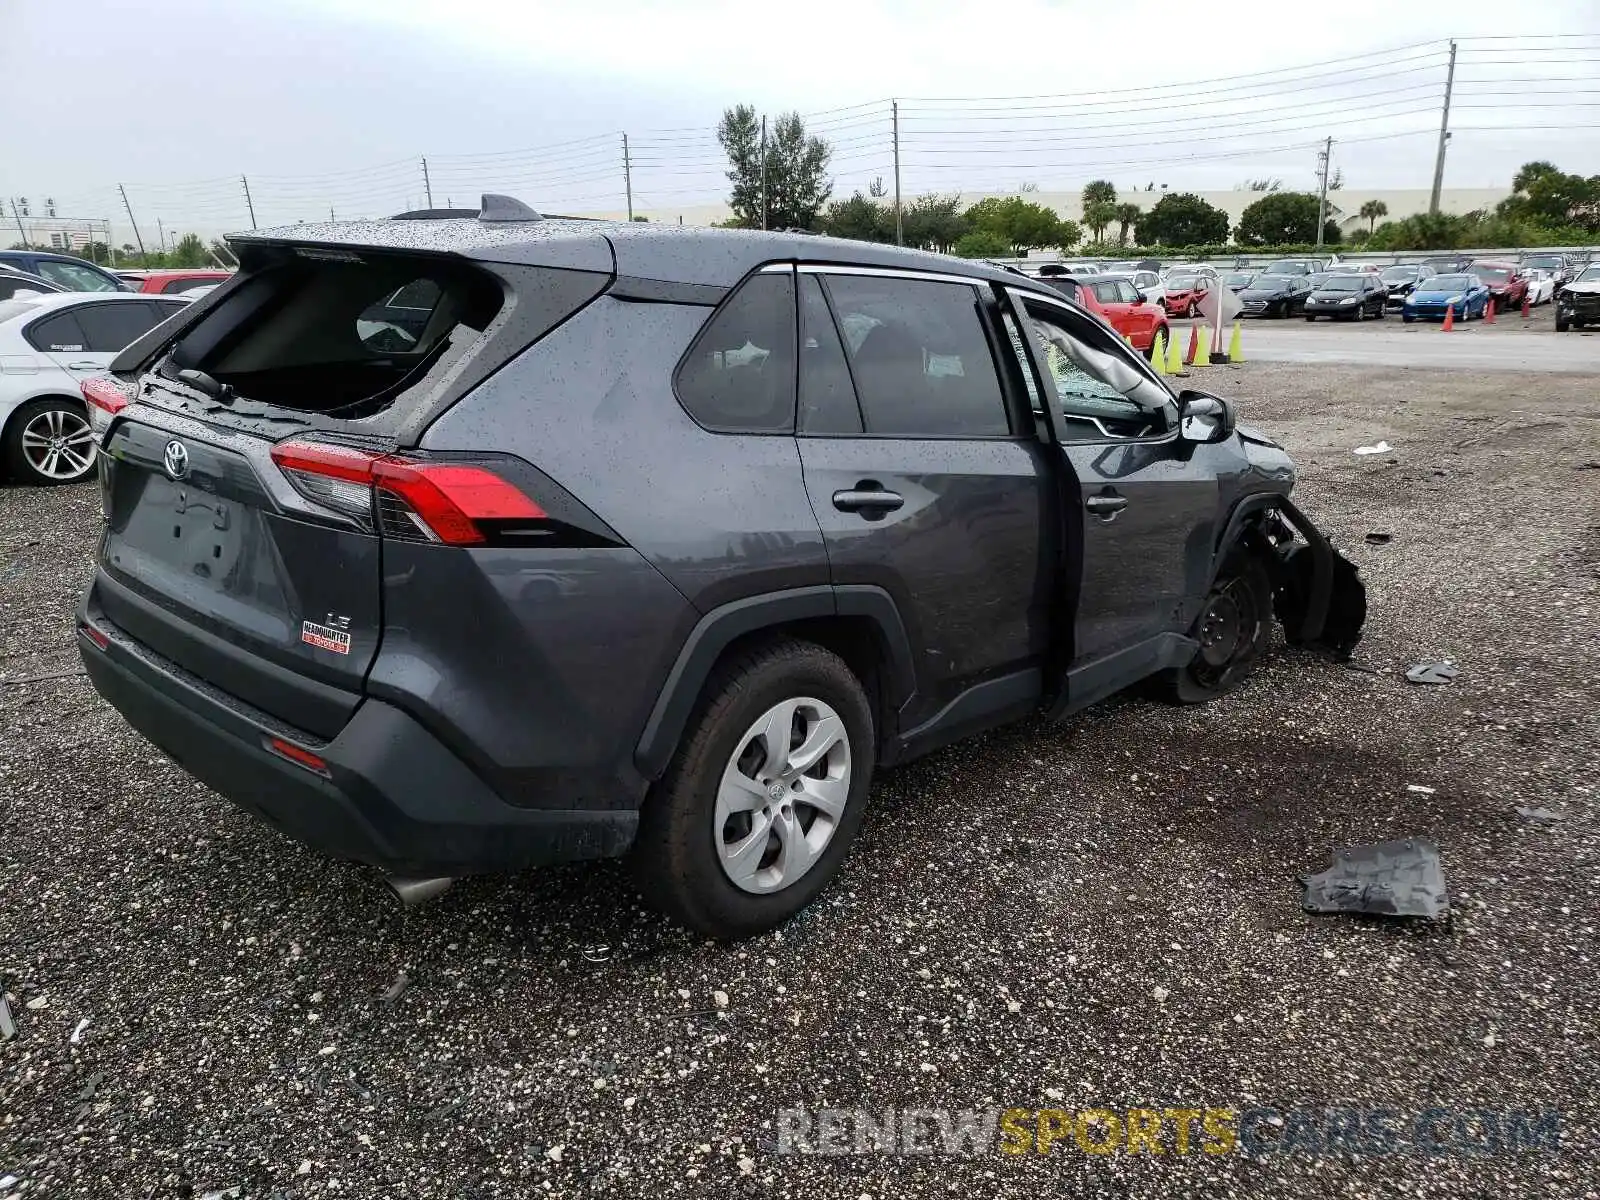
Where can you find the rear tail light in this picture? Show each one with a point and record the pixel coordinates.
(411, 499)
(105, 399)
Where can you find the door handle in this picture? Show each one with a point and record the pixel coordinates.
(1106, 506)
(868, 497)
(84, 366)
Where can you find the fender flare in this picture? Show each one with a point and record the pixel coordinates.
(719, 628)
(1322, 567)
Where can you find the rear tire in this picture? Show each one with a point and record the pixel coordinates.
(1232, 629)
(1311, 316)
(685, 856)
(49, 442)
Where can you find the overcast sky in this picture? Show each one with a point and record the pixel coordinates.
(329, 105)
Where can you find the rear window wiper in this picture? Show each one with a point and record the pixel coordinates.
(206, 384)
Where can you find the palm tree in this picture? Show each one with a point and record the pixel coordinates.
(1125, 215)
(1371, 211)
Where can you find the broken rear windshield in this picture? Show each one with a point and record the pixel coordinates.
(343, 338)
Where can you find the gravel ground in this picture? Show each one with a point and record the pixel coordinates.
(1102, 915)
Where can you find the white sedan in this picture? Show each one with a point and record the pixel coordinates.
(1541, 287)
(48, 346)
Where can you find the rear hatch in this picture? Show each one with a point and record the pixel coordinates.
(250, 487)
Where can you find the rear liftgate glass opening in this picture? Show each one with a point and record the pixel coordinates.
(456, 504)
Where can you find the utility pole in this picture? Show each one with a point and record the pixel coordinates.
(763, 172)
(161, 235)
(899, 224)
(1444, 134)
(1325, 162)
(249, 203)
(111, 242)
(627, 175)
(17, 213)
(427, 184)
(136, 236)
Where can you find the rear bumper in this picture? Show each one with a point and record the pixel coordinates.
(390, 794)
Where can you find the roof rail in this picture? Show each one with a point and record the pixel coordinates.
(492, 208)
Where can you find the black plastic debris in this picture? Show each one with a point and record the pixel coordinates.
(1538, 814)
(1379, 539)
(1402, 878)
(1432, 672)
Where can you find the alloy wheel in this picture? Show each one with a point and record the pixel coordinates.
(782, 795)
(58, 444)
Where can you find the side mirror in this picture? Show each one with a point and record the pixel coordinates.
(1205, 418)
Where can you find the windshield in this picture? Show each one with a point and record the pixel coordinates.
(1181, 282)
(1401, 274)
(1491, 274)
(1343, 283)
(1239, 279)
(1286, 268)
(1449, 283)
(1546, 262)
(1589, 273)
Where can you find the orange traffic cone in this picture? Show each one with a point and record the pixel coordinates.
(1194, 344)
(1488, 312)
(1525, 306)
(1449, 317)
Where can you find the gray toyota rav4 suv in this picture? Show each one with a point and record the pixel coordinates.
(469, 541)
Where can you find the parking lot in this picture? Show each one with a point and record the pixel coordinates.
(1510, 343)
(1099, 915)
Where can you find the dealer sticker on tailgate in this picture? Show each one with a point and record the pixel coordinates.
(324, 637)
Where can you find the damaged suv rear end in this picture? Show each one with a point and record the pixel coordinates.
(270, 524)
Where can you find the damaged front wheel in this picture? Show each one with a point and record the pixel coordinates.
(1232, 630)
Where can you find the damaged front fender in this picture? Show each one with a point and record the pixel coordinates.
(1317, 592)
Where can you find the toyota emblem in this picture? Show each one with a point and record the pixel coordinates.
(176, 460)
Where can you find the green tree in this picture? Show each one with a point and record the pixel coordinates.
(1099, 191)
(189, 251)
(1182, 219)
(1125, 215)
(1068, 235)
(1371, 211)
(934, 223)
(797, 183)
(1023, 224)
(1550, 198)
(1099, 204)
(859, 217)
(1279, 219)
(981, 243)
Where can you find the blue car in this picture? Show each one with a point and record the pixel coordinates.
(1429, 299)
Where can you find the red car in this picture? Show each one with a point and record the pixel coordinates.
(1184, 291)
(172, 280)
(1115, 299)
(1505, 281)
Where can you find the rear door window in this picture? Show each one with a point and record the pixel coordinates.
(108, 328)
(58, 334)
(174, 286)
(827, 396)
(919, 356)
(739, 375)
